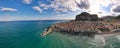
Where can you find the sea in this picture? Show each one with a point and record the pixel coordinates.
(26, 34)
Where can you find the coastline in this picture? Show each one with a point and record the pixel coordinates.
(87, 26)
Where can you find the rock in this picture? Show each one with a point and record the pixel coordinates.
(94, 17)
(84, 16)
(104, 29)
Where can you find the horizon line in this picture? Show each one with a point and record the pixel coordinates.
(31, 20)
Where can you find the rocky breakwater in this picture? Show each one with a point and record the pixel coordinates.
(86, 24)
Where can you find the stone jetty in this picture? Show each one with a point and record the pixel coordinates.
(87, 24)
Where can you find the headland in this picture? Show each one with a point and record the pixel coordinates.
(87, 24)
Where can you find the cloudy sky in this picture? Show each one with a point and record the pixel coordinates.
(55, 9)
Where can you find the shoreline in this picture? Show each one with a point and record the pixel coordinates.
(87, 24)
(84, 28)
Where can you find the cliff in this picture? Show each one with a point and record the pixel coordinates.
(84, 16)
(87, 24)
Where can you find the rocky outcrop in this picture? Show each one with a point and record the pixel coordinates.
(87, 24)
(86, 17)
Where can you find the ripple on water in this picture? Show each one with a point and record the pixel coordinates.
(58, 40)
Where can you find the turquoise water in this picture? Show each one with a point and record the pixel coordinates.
(27, 35)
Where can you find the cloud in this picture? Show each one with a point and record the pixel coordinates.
(84, 4)
(104, 6)
(66, 5)
(37, 8)
(27, 1)
(45, 7)
(9, 9)
(100, 7)
(116, 9)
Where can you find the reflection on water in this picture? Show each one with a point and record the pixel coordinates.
(58, 40)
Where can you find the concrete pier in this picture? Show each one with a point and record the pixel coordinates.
(47, 31)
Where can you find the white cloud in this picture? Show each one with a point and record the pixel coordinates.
(9, 9)
(37, 8)
(92, 6)
(27, 1)
(96, 6)
(74, 5)
(66, 5)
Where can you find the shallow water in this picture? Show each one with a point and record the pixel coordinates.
(58, 40)
(27, 35)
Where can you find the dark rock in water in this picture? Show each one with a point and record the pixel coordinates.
(84, 16)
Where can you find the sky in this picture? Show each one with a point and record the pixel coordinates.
(12, 10)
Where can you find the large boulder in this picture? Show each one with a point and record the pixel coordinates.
(84, 16)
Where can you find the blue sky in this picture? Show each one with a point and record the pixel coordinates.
(22, 8)
(55, 9)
